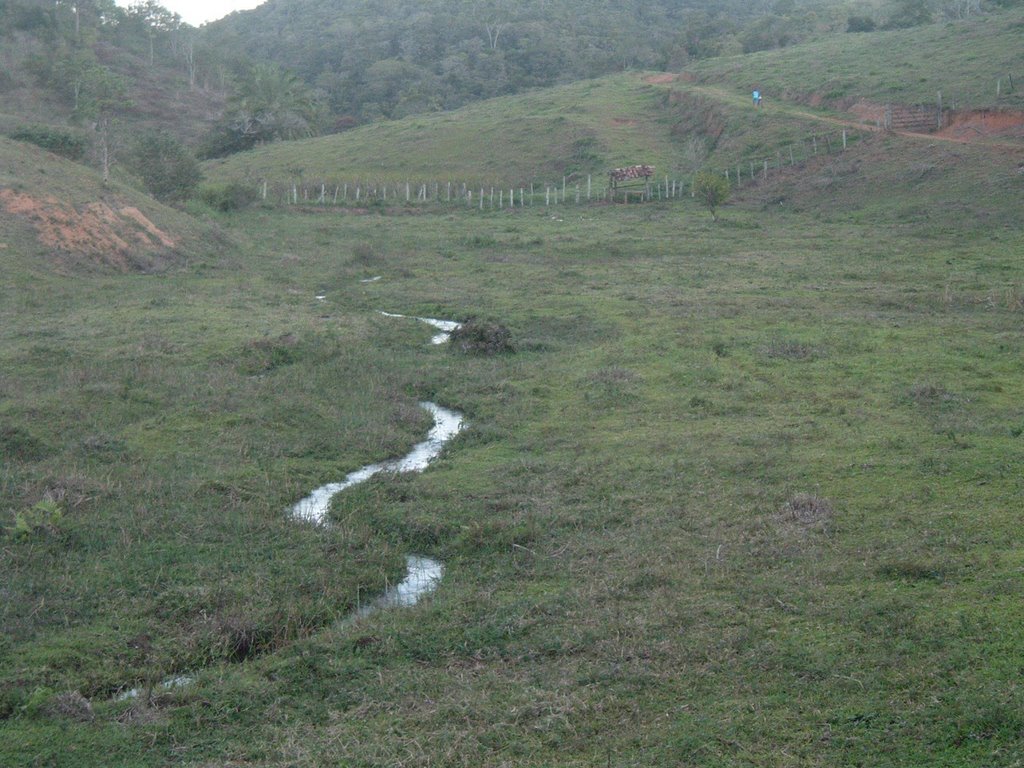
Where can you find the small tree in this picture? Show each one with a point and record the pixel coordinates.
(167, 169)
(711, 190)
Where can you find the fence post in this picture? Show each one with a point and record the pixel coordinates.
(547, 196)
(482, 198)
(588, 187)
(766, 170)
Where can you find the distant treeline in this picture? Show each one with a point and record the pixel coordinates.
(373, 59)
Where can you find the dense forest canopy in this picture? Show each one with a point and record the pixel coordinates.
(392, 58)
(298, 67)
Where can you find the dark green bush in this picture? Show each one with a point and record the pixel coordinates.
(482, 337)
(228, 196)
(167, 169)
(860, 24)
(60, 141)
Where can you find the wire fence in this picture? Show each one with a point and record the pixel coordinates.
(569, 190)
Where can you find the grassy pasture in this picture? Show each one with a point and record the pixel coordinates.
(573, 130)
(961, 59)
(746, 493)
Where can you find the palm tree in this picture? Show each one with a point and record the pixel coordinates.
(271, 103)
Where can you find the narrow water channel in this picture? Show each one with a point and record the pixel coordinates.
(422, 573)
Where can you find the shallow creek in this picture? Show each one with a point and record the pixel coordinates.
(422, 573)
(445, 326)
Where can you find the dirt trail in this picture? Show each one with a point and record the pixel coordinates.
(960, 132)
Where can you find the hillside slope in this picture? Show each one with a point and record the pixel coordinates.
(58, 213)
(976, 63)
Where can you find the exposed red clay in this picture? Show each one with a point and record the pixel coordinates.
(96, 231)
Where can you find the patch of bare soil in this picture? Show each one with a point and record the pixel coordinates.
(624, 121)
(666, 77)
(962, 125)
(97, 233)
(985, 123)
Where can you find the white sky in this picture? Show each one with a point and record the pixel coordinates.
(196, 12)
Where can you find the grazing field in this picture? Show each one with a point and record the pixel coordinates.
(744, 493)
(975, 63)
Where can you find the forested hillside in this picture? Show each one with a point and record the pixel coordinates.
(70, 63)
(393, 58)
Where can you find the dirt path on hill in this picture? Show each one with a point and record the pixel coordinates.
(975, 138)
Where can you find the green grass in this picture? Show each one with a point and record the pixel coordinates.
(624, 581)
(575, 129)
(746, 493)
(962, 59)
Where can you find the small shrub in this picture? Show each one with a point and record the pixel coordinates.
(12, 699)
(482, 337)
(71, 705)
(808, 509)
(39, 702)
(17, 443)
(228, 196)
(860, 24)
(712, 190)
(44, 516)
(167, 169)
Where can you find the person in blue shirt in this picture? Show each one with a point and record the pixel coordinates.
(757, 98)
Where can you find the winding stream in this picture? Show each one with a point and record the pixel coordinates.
(445, 326)
(422, 573)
